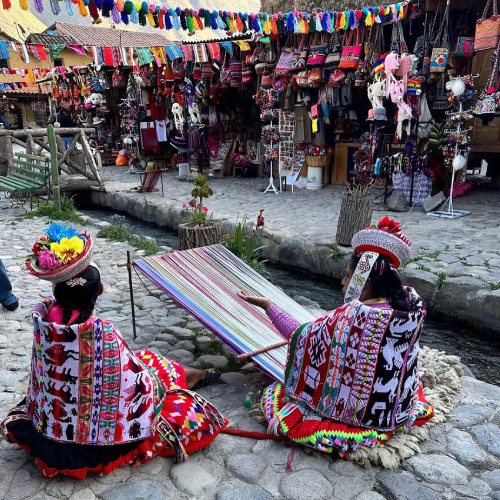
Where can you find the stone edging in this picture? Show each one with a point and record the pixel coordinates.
(461, 298)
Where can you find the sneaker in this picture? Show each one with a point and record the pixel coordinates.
(11, 307)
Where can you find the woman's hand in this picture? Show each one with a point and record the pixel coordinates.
(262, 302)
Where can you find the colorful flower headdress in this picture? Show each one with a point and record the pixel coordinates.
(385, 239)
(61, 254)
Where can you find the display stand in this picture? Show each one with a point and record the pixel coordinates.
(271, 186)
(450, 212)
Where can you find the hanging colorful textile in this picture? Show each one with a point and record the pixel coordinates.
(144, 55)
(204, 282)
(200, 53)
(4, 50)
(55, 50)
(173, 52)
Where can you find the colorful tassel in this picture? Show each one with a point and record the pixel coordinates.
(98, 4)
(175, 20)
(189, 23)
(208, 20)
(150, 19)
(239, 24)
(182, 17)
(82, 9)
(115, 15)
(233, 23)
(279, 24)
(289, 21)
(256, 25)
(142, 18)
(107, 7)
(296, 23)
(69, 7)
(128, 7)
(161, 18)
(168, 20)
(6, 4)
(124, 17)
(26, 6)
(134, 15)
(220, 23)
(56, 9)
(318, 26)
(39, 6)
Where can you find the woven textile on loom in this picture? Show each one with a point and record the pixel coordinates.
(204, 282)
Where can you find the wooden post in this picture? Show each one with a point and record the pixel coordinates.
(51, 135)
(132, 305)
(196, 237)
(355, 214)
(9, 152)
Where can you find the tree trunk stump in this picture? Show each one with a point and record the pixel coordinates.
(355, 214)
(196, 237)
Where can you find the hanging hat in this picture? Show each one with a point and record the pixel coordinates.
(380, 114)
(414, 87)
(386, 239)
(63, 252)
(179, 143)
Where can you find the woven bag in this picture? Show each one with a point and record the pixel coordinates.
(351, 54)
(441, 50)
(487, 30)
(285, 63)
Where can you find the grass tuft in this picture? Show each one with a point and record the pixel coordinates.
(120, 233)
(67, 213)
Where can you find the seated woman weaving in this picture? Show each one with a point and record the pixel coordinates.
(92, 404)
(352, 375)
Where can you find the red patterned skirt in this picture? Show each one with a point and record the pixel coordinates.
(300, 424)
(192, 422)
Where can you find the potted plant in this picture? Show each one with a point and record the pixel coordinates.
(356, 209)
(200, 231)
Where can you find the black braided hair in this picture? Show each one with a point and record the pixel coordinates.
(79, 297)
(385, 283)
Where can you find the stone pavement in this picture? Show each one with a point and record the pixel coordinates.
(461, 459)
(455, 265)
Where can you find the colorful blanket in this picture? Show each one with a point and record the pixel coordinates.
(358, 364)
(86, 386)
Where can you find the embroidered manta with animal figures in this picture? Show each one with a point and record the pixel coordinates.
(358, 365)
(87, 386)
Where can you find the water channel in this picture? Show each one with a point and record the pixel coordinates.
(479, 351)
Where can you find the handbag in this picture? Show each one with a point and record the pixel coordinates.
(316, 76)
(465, 46)
(441, 51)
(301, 79)
(317, 54)
(486, 106)
(351, 54)
(285, 63)
(271, 56)
(336, 78)
(300, 57)
(247, 73)
(332, 59)
(267, 81)
(487, 30)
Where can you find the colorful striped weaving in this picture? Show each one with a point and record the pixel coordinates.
(204, 282)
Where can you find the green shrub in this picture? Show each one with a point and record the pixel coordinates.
(121, 233)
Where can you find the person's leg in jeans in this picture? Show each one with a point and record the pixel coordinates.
(7, 298)
(67, 141)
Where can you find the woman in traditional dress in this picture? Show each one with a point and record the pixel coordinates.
(352, 375)
(92, 404)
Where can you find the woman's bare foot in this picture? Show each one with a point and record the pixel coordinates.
(193, 376)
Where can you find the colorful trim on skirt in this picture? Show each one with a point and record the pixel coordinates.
(302, 425)
(188, 423)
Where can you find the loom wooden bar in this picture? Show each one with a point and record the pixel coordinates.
(132, 305)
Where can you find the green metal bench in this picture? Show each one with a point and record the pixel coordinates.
(30, 174)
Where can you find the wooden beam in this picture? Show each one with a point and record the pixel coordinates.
(69, 162)
(43, 132)
(90, 159)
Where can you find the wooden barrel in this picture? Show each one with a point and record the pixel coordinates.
(196, 237)
(355, 214)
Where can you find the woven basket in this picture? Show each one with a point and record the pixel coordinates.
(316, 161)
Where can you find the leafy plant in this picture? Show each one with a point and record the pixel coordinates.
(67, 213)
(120, 233)
(199, 212)
(246, 246)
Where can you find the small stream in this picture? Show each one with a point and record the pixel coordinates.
(480, 352)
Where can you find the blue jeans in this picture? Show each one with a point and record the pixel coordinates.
(6, 295)
(66, 141)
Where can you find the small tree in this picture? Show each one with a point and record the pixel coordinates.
(200, 191)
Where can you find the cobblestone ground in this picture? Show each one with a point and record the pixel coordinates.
(460, 460)
(464, 247)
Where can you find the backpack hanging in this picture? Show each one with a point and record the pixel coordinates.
(487, 30)
(351, 54)
(334, 49)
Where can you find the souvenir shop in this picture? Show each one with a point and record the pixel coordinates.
(381, 96)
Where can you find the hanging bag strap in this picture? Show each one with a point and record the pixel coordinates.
(443, 31)
(402, 42)
(488, 8)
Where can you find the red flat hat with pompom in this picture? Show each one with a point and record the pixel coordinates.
(386, 239)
